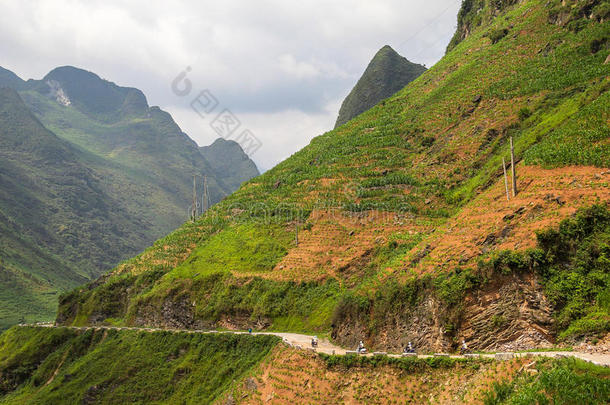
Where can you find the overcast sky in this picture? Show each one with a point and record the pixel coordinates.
(282, 67)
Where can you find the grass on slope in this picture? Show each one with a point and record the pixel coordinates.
(559, 382)
(582, 141)
(31, 278)
(245, 248)
(61, 366)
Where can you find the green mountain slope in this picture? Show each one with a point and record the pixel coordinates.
(44, 188)
(387, 73)
(116, 126)
(230, 162)
(404, 229)
(116, 367)
(91, 175)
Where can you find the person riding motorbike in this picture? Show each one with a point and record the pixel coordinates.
(464, 348)
(314, 341)
(409, 348)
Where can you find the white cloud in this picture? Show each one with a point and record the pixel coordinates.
(280, 133)
(278, 64)
(298, 70)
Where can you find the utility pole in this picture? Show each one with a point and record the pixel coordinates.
(205, 199)
(194, 211)
(512, 166)
(505, 179)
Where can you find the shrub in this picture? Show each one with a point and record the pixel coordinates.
(524, 113)
(499, 393)
(133, 366)
(427, 141)
(496, 35)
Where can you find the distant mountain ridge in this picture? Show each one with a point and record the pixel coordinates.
(230, 161)
(90, 175)
(386, 74)
(96, 96)
(10, 79)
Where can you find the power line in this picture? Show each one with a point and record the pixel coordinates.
(441, 38)
(428, 24)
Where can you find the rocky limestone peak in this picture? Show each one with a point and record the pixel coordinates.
(386, 74)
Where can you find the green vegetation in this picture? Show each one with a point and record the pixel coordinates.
(576, 277)
(475, 13)
(563, 381)
(530, 70)
(572, 262)
(408, 364)
(62, 366)
(298, 307)
(496, 35)
(243, 248)
(580, 141)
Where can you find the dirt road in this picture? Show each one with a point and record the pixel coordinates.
(303, 342)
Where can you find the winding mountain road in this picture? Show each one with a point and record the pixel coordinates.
(303, 342)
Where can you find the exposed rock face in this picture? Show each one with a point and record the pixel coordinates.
(58, 93)
(510, 313)
(422, 325)
(507, 313)
(179, 313)
(387, 73)
(471, 14)
(176, 313)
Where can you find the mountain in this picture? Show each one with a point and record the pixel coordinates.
(90, 176)
(405, 205)
(230, 162)
(117, 125)
(387, 73)
(394, 227)
(10, 79)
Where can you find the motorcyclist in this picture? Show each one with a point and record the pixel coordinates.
(314, 341)
(361, 348)
(409, 348)
(464, 347)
